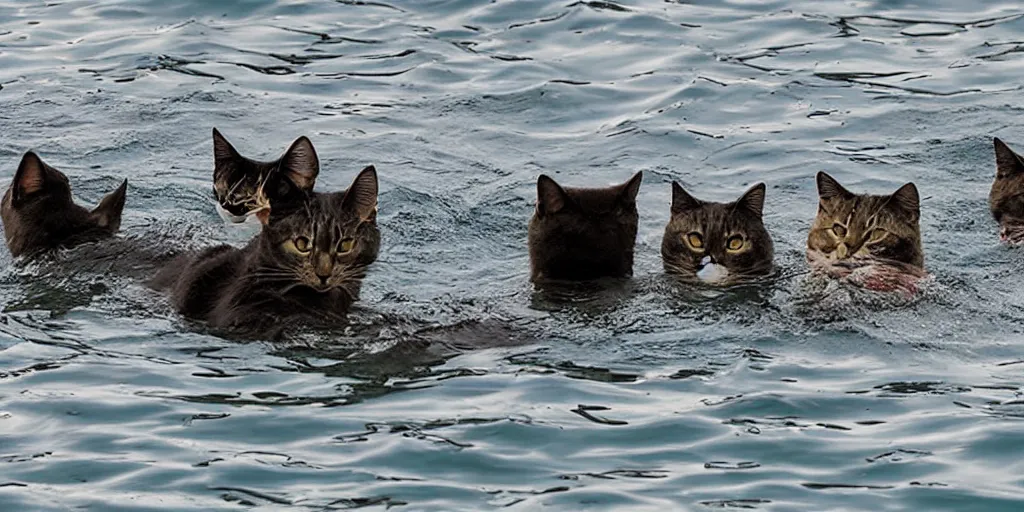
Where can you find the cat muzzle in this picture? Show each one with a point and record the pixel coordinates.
(711, 272)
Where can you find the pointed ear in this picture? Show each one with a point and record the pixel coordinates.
(753, 200)
(301, 165)
(829, 188)
(682, 201)
(108, 213)
(631, 189)
(30, 177)
(361, 196)
(906, 200)
(551, 197)
(1008, 163)
(224, 156)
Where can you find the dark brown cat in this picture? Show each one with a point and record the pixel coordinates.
(243, 186)
(717, 242)
(861, 227)
(305, 265)
(579, 234)
(1006, 199)
(39, 214)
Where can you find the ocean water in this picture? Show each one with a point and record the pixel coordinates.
(644, 396)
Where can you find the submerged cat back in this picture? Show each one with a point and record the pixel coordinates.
(583, 233)
(39, 213)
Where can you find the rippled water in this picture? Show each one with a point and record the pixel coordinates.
(643, 397)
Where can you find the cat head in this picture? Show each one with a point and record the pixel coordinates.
(326, 244)
(39, 214)
(717, 242)
(853, 226)
(579, 234)
(244, 186)
(1006, 199)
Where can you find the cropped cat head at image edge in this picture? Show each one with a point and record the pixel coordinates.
(39, 212)
(717, 243)
(865, 228)
(1006, 199)
(244, 187)
(579, 234)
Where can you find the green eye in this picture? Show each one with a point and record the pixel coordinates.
(302, 244)
(839, 230)
(695, 240)
(735, 243)
(299, 245)
(346, 245)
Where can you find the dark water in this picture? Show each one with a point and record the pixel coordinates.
(643, 397)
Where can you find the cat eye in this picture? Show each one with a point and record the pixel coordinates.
(695, 240)
(735, 243)
(302, 244)
(346, 245)
(839, 230)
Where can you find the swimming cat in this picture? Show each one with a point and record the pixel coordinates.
(243, 186)
(39, 214)
(306, 264)
(579, 234)
(717, 242)
(853, 229)
(1006, 199)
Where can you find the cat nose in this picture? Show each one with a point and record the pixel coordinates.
(324, 268)
(706, 261)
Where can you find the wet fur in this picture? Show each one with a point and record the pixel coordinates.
(860, 215)
(263, 287)
(243, 186)
(716, 223)
(1006, 199)
(579, 234)
(39, 214)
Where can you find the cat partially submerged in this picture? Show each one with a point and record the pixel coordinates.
(579, 234)
(1006, 199)
(39, 214)
(870, 240)
(306, 265)
(717, 243)
(245, 187)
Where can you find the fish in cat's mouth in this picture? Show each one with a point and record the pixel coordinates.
(710, 271)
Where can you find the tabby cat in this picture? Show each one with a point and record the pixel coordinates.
(245, 187)
(579, 234)
(853, 228)
(717, 243)
(306, 264)
(39, 214)
(1006, 200)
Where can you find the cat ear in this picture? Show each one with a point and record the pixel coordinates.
(631, 188)
(301, 165)
(30, 177)
(361, 196)
(906, 200)
(753, 200)
(224, 157)
(682, 201)
(551, 197)
(829, 188)
(108, 213)
(1008, 163)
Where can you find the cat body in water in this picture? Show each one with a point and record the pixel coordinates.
(717, 243)
(875, 240)
(579, 234)
(1006, 199)
(39, 213)
(245, 187)
(306, 264)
